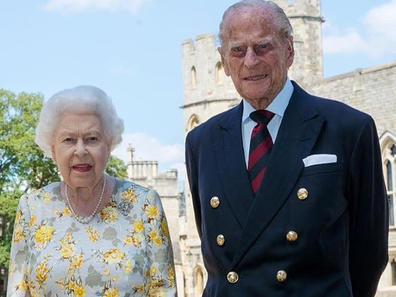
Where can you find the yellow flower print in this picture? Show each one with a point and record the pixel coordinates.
(171, 272)
(128, 267)
(138, 226)
(106, 272)
(32, 221)
(109, 214)
(113, 292)
(64, 212)
(76, 263)
(79, 291)
(152, 211)
(129, 195)
(171, 276)
(43, 235)
(113, 256)
(139, 289)
(18, 234)
(72, 284)
(34, 292)
(153, 271)
(134, 239)
(18, 216)
(137, 240)
(20, 286)
(157, 241)
(61, 283)
(67, 250)
(164, 227)
(42, 273)
(153, 234)
(128, 240)
(47, 197)
(157, 292)
(93, 234)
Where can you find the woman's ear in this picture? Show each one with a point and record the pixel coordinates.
(53, 153)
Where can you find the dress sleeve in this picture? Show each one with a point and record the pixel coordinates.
(18, 279)
(161, 270)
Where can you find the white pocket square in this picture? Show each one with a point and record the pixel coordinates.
(319, 159)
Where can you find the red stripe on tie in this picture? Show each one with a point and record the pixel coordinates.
(257, 181)
(259, 152)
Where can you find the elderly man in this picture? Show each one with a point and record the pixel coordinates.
(287, 188)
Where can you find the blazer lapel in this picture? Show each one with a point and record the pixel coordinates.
(297, 135)
(229, 153)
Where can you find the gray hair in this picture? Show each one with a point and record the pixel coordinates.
(282, 20)
(80, 99)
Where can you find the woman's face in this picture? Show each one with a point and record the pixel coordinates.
(80, 150)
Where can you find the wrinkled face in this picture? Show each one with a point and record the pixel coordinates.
(255, 55)
(80, 150)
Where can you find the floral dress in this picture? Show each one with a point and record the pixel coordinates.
(124, 251)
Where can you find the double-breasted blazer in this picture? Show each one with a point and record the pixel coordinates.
(317, 231)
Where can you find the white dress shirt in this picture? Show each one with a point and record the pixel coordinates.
(277, 106)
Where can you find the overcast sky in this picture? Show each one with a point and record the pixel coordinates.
(132, 50)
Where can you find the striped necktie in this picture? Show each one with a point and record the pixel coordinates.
(260, 147)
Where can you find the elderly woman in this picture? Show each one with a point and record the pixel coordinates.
(90, 234)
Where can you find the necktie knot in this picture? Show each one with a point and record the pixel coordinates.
(262, 116)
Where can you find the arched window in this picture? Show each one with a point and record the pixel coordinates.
(193, 78)
(388, 149)
(219, 73)
(198, 281)
(192, 122)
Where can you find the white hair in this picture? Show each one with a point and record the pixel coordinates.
(282, 21)
(78, 100)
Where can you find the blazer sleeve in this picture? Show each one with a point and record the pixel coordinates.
(192, 175)
(368, 214)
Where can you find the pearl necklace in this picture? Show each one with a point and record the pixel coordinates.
(81, 219)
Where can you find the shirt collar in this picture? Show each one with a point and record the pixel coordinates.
(277, 106)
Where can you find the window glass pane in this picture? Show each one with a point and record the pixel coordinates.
(389, 176)
(391, 210)
(393, 150)
(393, 265)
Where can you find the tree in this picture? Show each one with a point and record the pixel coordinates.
(23, 165)
(116, 168)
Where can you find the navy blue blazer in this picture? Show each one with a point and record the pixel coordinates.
(338, 246)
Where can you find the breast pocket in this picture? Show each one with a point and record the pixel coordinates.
(320, 214)
(324, 195)
(323, 169)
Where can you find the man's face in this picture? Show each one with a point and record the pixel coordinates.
(255, 55)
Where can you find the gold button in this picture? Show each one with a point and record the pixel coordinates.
(291, 236)
(232, 277)
(302, 194)
(220, 239)
(214, 202)
(281, 276)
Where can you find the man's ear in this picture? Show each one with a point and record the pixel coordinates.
(223, 61)
(290, 49)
